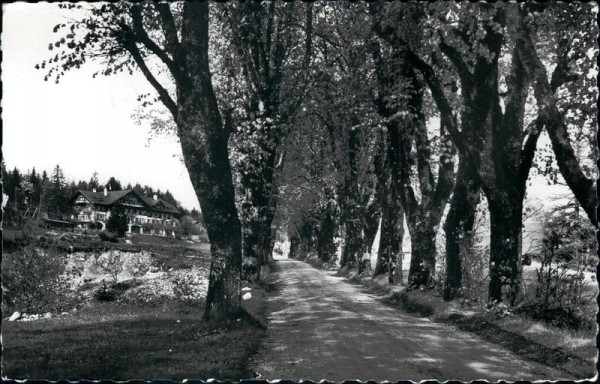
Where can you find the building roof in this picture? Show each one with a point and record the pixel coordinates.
(112, 197)
(159, 204)
(99, 198)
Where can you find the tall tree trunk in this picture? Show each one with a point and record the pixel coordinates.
(506, 223)
(389, 256)
(423, 251)
(250, 240)
(294, 246)
(261, 205)
(352, 243)
(423, 218)
(459, 227)
(305, 239)
(325, 234)
(371, 223)
(204, 145)
(353, 220)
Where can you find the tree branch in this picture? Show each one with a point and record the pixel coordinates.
(528, 152)
(582, 187)
(142, 36)
(163, 94)
(456, 58)
(170, 30)
(434, 83)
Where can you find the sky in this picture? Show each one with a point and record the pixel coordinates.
(83, 124)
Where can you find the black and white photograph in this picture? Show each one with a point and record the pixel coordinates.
(299, 190)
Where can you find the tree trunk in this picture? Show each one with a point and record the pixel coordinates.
(325, 243)
(250, 262)
(352, 245)
(294, 246)
(459, 227)
(506, 223)
(352, 210)
(258, 184)
(258, 243)
(371, 222)
(267, 244)
(304, 242)
(422, 254)
(204, 146)
(389, 256)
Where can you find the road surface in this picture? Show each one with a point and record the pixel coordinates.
(321, 327)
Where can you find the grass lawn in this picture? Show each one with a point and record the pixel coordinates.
(111, 341)
(159, 337)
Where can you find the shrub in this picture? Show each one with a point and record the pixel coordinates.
(139, 265)
(476, 263)
(117, 221)
(559, 292)
(103, 293)
(108, 236)
(112, 264)
(33, 281)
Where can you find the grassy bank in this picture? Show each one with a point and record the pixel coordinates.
(151, 329)
(110, 341)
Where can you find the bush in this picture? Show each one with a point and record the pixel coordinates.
(103, 293)
(559, 292)
(112, 264)
(475, 264)
(108, 236)
(33, 281)
(139, 265)
(117, 222)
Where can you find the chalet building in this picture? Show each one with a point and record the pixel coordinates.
(145, 215)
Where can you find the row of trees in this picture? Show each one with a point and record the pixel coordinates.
(320, 118)
(483, 72)
(33, 192)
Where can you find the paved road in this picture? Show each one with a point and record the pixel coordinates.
(321, 327)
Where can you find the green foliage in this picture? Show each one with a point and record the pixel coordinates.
(567, 236)
(108, 236)
(560, 290)
(117, 222)
(32, 280)
(112, 264)
(104, 293)
(111, 292)
(475, 264)
(114, 184)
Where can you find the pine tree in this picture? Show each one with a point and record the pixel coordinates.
(94, 183)
(58, 201)
(114, 184)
